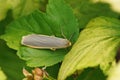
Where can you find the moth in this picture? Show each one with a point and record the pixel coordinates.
(44, 42)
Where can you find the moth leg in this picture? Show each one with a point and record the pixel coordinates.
(52, 35)
(53, 49)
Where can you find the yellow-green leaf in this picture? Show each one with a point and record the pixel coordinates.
(97, 45)
(2, 75)
(115, 73)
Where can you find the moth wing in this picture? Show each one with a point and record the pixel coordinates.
(43, 41)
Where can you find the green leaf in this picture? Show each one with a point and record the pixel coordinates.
(4, 7)
(24, 7)
(88, 74)
(66, 23)
(10, 63)
(36, 57)
(115, 73)
(50, 23)
(53, 70)
(85, 10)
(19, 7)
(96, 45)
(92, 74)
(2, 75)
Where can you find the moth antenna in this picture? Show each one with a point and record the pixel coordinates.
(71, 36)
(65, 36)
(62, 33)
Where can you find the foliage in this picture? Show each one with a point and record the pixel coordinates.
(85, 10)
(97, 48)
(92, 28)
(2, 75)
(115, 71)
(19, 7)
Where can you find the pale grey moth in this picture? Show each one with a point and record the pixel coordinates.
(44, 41)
